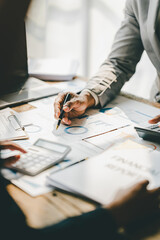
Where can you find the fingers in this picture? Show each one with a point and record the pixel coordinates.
(11, 146)
(142, 185)
(155, 191)
(8, 161)
(72, 104)
(153, 199)
(58, 104)
(155, 120)
(66, 121)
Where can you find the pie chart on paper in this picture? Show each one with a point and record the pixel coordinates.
(76, 130)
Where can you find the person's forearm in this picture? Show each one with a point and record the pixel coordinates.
(105, 85)
(121, 63)
(97, 224)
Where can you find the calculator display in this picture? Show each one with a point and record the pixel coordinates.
(50, 146)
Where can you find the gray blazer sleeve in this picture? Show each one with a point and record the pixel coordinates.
(121, 63)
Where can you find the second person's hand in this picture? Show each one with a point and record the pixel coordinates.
(155, 120)
(13, 147)
(135, 203)
(75, 107)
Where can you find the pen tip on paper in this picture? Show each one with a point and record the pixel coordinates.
(57, 127)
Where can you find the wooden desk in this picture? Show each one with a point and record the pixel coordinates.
(48, 208)
(55, 206)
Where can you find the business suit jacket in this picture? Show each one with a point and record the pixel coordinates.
(138, 32)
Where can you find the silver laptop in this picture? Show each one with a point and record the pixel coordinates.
(33, 89)
(15, 86)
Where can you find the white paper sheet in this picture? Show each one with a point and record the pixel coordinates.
(107, 140)
(137, 112)
(101, 178)
(91, 124)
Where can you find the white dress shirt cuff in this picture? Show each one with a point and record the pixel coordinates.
(96, 99)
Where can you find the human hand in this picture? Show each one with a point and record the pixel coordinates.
(135, 203)
(11, 146)
(155, 120)
(75, 107)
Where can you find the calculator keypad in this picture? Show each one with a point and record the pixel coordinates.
(154, 127)
(33, 163)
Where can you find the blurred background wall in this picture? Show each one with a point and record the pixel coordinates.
(83, 30)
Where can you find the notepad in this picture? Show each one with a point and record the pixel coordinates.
(10, 126)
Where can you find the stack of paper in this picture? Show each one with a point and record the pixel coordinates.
(52, 69)
(101, 177)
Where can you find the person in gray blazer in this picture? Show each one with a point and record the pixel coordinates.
(139, 31)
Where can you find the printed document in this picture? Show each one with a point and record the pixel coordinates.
(101, 177)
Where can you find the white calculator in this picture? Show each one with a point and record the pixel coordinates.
(40, 156)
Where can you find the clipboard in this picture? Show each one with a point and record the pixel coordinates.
(10, 126)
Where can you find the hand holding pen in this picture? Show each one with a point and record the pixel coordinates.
(67, 98)
(74, 107)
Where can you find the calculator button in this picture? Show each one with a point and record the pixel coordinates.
(23, 160)
(54, 158)
(153, 126)
(48, 160)
(35, 155)
(41, 157)
(41, 163)
(38, 165)
(44, 164)
(32, 169)
(36, 160)
(26, 165)
(29, 158)
(28, 154)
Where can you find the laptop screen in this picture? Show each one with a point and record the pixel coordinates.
(13, 50)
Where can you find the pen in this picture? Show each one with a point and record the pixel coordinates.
(63, 168)
(17, 120)
(62, 111)
(22, 127)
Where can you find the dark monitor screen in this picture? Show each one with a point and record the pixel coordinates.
(13, 50)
